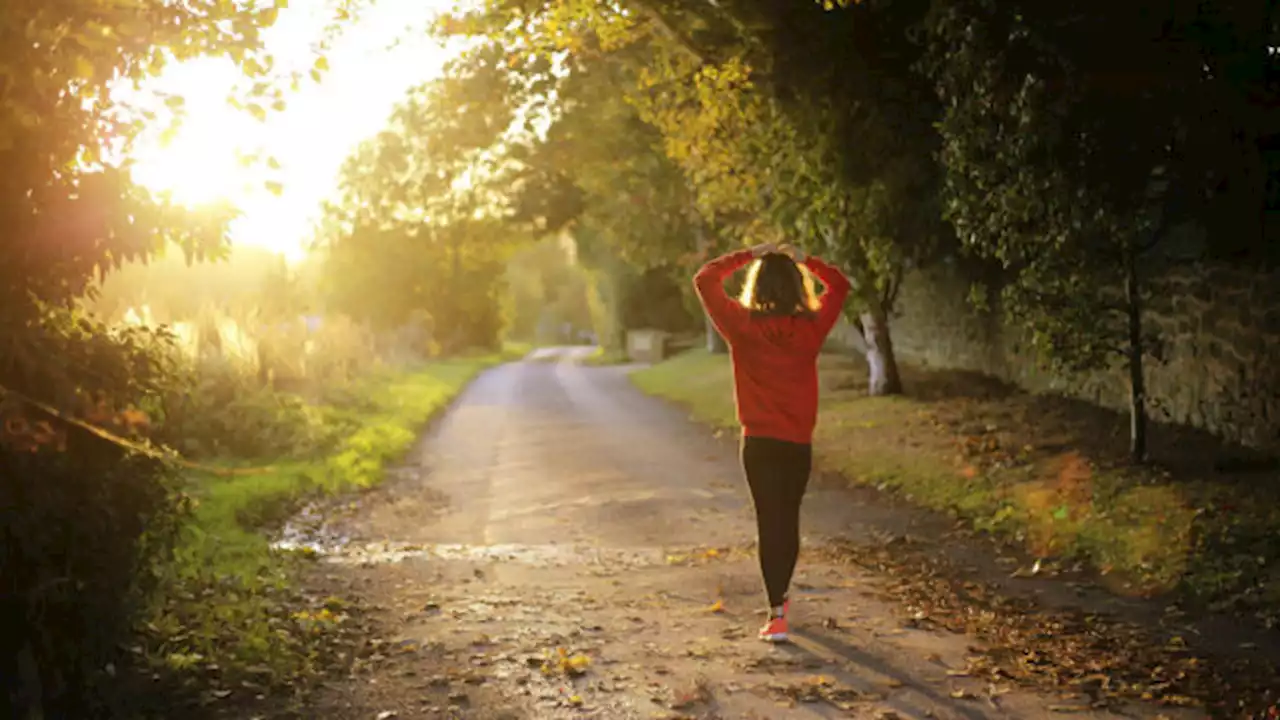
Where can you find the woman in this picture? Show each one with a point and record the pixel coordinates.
(775, 331)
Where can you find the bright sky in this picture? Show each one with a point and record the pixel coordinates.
(321, 125)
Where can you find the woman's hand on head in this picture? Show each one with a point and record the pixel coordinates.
(793, 252)
(763, 249)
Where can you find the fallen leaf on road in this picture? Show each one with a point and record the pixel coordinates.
(698, 692)
(566, 664)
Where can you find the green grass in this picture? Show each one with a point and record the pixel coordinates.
(602, 356)
(228, 598)
(1144, 530)
(697, 379)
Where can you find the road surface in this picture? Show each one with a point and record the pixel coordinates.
(560, 545)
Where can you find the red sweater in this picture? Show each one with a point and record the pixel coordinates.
(775, 358)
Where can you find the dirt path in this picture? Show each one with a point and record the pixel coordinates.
(562, 546)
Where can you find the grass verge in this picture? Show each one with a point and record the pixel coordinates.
(602, 356)
(231, 619)
(1044, 472)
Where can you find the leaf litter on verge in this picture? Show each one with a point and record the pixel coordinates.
(1055, 648)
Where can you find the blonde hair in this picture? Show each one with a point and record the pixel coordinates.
(777, 285)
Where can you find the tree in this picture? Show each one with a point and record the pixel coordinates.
(1078, 141)
(94, 516)
(417, 233)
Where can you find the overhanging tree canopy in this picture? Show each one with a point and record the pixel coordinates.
(831, 145)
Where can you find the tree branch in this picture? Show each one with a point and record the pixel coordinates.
(891, 289)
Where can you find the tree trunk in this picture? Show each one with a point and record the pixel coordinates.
(715, 343)
(1135, 352)
(884, 378)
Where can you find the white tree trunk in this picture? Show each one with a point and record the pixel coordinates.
(881, 363)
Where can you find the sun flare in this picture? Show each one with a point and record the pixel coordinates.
(197, 165)
(375, 61)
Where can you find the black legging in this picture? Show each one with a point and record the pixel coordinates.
(777, 472)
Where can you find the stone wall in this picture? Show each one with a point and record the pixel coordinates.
(1221, 329)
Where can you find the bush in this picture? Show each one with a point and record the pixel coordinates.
(77, 562)
(214, 409)
(84, 523)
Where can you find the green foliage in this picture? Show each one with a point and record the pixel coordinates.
(218, 411)
(86, 521)
(768, 149)
(416, 238)
(632, 200)
(1076, 142)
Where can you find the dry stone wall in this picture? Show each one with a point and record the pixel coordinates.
(1221, 332)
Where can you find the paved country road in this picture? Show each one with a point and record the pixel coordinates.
(560, 545)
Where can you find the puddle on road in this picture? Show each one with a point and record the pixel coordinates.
(377, 553)
(308, 534)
